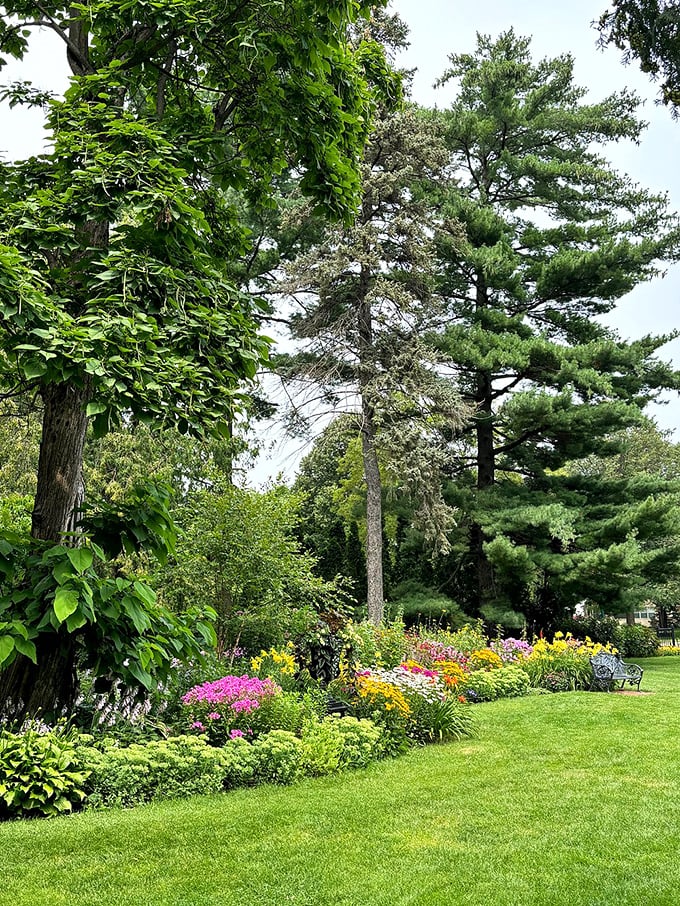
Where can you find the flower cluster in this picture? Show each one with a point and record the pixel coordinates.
(451, 672)
(427, 683)
(377, 691)
(511, 651)
(485, 659)
(432, 651)
(227, 701)
(275, 661)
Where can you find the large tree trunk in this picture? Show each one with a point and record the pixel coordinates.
(48, 689)
(486, 463)
(374, 532)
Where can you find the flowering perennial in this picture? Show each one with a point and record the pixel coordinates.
(485, 659)
(511, 651)
(378, 691)
(281, 660)
(226, 702)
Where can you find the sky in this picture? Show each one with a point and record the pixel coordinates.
(437, 29)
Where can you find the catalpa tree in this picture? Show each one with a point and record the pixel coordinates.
(116, 248)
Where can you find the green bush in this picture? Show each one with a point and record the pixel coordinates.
(420, 605)
(287, 711)
(374, 646)
(163, 769)
(639, 641)
(40, 773)
(279, 757)
(506, 682)
(602, 630)
(363, 741)
(438, 721)
(322, 746)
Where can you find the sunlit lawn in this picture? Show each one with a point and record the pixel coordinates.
(560, 799)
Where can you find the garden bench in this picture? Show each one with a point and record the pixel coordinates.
(608, 668)
(336, 706)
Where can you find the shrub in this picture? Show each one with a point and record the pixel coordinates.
(40, 773)
(601, 630)
(322, 747)
(639, 641)
(419, 605)
(279, 757)
(372, 646)
(484, 686)
(161, 769)
(363, 741)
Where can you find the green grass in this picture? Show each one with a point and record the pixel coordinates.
(560, 799)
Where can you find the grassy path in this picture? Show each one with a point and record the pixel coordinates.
(560, 799)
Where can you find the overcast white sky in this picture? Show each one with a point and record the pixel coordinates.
(439, 28)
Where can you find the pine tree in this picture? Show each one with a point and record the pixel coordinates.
(553, 238)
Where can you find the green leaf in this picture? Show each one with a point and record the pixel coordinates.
(80, 557)
(95, 408)
(27, 648)
(7, 644)
(65, 603)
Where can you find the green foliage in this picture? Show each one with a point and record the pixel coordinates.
(163, 769)
(279, 757)
(54, 589)
(238, 555)
(552, 237)
(558, 671)
(419, 605)
(639, 641)
(368, 645)
(40, 773)
(323, 746)
(363, 741)
(506, 682)
(439, 721)
(287, 711)
(647, 31)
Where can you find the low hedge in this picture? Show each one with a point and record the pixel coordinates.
(49, 773)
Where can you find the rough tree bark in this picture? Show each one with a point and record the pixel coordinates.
(48, 689)
(374, 545)
(485, 462)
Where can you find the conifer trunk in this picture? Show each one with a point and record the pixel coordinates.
(374, 529)
(486, 462)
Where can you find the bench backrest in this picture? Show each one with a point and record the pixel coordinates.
(607, 659)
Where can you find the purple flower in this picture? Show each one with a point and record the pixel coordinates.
(235, 734)
(197, 725)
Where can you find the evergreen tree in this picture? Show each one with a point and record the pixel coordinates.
(552, 238)
(365, 303)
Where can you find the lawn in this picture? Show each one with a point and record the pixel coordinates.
(559, 799)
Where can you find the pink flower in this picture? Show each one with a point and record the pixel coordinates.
(213, 715)
(197, 725)
(235, 734)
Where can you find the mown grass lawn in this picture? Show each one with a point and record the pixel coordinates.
(560, 799)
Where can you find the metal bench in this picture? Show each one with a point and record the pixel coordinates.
(609, 668)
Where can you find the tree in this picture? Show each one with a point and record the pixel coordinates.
(553, 237)
(648, 31)
(365, 302)
(116, 247)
